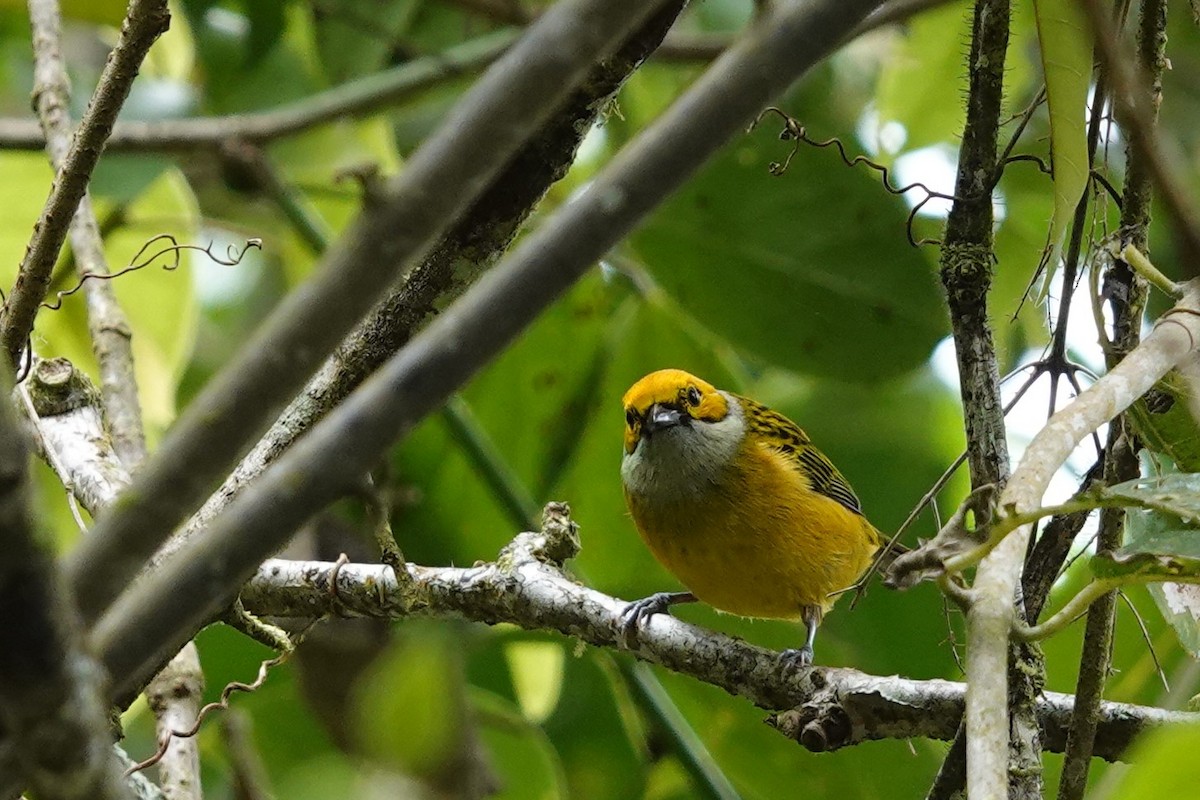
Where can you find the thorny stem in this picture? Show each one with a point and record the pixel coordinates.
(966, 268)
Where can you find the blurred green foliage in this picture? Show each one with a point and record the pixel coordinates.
(800, 290)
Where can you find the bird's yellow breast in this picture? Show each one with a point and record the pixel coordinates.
(758, 542)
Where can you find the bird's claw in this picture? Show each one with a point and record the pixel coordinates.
(639, 611)
(793, 660)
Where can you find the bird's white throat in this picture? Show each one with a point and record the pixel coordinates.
(682, 461)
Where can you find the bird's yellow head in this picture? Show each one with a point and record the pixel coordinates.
(667, 399)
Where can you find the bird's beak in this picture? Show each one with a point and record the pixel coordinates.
(662, 417)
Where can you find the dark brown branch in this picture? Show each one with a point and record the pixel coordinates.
(1136, 110)
(1127, 299)
(144, 22)
(135, 631)
(497, 117)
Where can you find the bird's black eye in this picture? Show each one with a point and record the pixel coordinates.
(693, 396)
(631, 417)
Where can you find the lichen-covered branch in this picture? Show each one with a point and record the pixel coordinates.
(144, 22)
(824, 708)
(52, 700)
(68, 430)
(1173, 339)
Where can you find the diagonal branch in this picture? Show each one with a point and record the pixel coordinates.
(500, 113)
(175, 599)
(107, 323)
(990, 618)
(466, 251)
(144, 22)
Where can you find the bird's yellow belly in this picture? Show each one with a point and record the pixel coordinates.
(762, 553)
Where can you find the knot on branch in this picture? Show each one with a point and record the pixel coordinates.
(929, 560)
(821, 725)
(56, 387)
(966, 270)
(554, 544)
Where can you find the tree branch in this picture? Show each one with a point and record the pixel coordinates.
(1127, 299)
(827, 708)
(52, 707)
(1136, 110)
(463, 254)
(144, 22)
(76, 446)
(500, 113)
(357, 98)
(205, 574)
(107, 323)
(990, 618)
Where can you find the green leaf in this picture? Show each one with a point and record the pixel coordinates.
(1174, 494)
(930, 110)
(537, 673)
(105, 12)
(810, 271)
(1166, 765)
(1161, 544)
(160, 304)
(410, 706)
(1165, 425)
(1066, 48)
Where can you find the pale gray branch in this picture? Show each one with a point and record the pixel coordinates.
(827, 708)
(52, 703)
(69, 432)
(990, 618)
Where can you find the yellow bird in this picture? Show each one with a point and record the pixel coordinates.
(735, 500)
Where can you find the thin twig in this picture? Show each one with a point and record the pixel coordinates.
(1136, 111)
(353, 99)
(144, 22)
